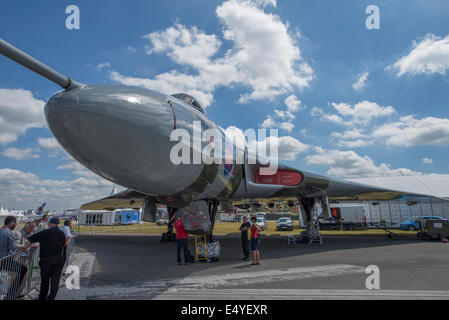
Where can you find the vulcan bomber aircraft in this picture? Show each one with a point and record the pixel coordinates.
(122, 134)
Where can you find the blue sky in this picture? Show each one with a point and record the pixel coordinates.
(395, 123)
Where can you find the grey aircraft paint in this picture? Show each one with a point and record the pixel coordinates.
(123, 134)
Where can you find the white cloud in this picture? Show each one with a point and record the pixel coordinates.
(265, 3)
(19, 154)
(427, 161)
(236, 135)
(349, 144)
(363, 112)
(409, 131)
(287, 126)
(264, 38)
(292, 105)
(77, 169)
(349, 164)
(53, 146)
(131, 49)
(185, 46)
(350, 134)
(269, 123)
(360, 114)
(288, 147)
(430, 55)
(103, 65)
(19, 111)
(49, 144)
(360, 84)
(353, 138)
(319, 112)
(255, 35)
(284, 114)
(26, 190)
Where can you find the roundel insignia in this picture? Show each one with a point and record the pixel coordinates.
(228, 168)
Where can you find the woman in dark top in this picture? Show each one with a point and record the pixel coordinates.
(255, 230)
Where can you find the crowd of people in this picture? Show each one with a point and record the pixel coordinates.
(52, 241)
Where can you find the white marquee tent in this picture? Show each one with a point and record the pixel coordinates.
(393, 212)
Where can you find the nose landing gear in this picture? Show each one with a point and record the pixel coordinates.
(169, 236)
(199, 219)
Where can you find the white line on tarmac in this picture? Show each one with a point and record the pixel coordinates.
(85, 262)
(156, 287)
(300, 294)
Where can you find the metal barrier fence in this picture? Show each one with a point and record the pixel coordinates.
(20, 272)
(93, 229)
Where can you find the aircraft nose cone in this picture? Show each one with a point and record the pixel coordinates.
(120, 133)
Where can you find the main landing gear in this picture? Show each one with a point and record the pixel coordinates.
(308, 208)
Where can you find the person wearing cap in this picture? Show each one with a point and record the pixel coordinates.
(52, 242)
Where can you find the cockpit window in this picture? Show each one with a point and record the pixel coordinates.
(189, 100)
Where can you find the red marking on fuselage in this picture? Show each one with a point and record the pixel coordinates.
(281, 178)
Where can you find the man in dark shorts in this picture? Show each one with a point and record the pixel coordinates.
(255, 230)
(244, 235)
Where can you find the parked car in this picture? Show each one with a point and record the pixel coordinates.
(161, 221)
(261, 223)
(284, 224)
(329, 224)
(413, 225)
(260, 215)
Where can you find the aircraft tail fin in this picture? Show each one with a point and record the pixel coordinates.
(29, 62)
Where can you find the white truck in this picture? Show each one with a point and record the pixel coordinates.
(227, 217)
(348, 218)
